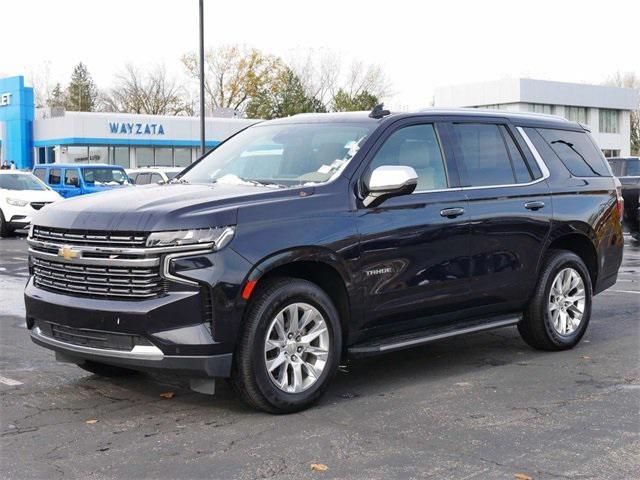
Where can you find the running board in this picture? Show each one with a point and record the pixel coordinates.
(415, 339)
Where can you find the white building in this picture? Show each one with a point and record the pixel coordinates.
(606, 110)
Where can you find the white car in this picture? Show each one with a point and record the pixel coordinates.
(147, 175)
(21, 195)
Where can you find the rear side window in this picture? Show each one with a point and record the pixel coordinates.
(54, 176)
(71, 178)
(484, 159)
(576, 151)
(156, 177)
(40, 173)
(520, 167)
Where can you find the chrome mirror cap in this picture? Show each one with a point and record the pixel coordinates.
(389, 181)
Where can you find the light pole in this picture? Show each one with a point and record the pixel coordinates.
(202, 139)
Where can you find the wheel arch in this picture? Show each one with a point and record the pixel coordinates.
(318, 265)
(581, 244)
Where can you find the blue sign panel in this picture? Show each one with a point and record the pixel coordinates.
(16, 121)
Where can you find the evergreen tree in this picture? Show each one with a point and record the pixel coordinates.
(57, 97)
(363, 101)
(81, 93)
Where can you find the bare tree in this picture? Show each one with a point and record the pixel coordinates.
(234, 75)
(40, 79)
(630, 80)
(152, 92)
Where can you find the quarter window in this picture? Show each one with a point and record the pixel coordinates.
(416, 146)
(520, 167)
(54, 176)
(576, 151)
(484, 159)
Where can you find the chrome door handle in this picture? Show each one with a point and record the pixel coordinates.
(534, 205)
(451, 212)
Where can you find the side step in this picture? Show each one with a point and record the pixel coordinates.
(408, 340)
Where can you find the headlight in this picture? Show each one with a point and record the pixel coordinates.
(16, 202)
(218, 236)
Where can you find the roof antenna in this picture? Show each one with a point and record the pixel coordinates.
(379, 111)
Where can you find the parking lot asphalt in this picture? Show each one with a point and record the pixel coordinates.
(484, 406)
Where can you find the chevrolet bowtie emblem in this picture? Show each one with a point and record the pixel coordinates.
(68, 252)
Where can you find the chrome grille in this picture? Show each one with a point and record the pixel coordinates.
(99, 281)
(79, 237)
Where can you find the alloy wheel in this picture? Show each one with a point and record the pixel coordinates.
(566, 301)
(296, 347)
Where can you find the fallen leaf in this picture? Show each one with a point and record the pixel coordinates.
(168, 394)
(586, 357)
(92, 421)
(319, 467)
(522, 476)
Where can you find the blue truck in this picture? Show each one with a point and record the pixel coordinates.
(71, 180)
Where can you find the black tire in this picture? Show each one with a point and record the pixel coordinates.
(104, 370)
(536, 326)
(250, 378)
(5, 231)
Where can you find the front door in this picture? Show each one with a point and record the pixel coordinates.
(414, 248)
(71, 185)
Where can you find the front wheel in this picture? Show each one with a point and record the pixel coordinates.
(559, 312)
(5, 231)
(290, 347)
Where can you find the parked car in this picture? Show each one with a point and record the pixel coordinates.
(147, 175)
(363, 234)
(71, 180)
(21, 195)
(627, 169)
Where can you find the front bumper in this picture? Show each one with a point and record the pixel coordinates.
(141, 357)
(166, 333)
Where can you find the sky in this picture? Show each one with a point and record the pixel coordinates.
(420, 44)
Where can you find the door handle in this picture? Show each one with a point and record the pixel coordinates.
(451, 212)
(534, 205)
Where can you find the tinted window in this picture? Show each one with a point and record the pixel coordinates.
(417, 147)
(616, 167)
(104, 176)
(143, 178)
(71, 178)
(484, 159)
(54, 176)
(156, 177)
(633, 168)
(520, 167)
(40, 172)
(133, 177)
(576, 151)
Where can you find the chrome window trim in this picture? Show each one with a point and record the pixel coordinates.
(536, 155)
(142, 352)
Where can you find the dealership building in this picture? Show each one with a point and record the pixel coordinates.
(31, 136)
(606, 110)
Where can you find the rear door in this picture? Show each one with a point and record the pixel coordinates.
(414, 257)
(509, 209)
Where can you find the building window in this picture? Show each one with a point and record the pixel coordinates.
(182, 157)
(144, 157)
(164, 157)
(77, 154)
(608, 121)
(576, 114)
(540, 108)
(98, 154)
(609, 153)
(120, 156)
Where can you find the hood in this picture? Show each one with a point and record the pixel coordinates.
(32, 195)
(153, 207)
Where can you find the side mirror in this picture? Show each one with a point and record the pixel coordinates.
(389, 181)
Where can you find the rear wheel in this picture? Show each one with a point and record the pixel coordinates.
(559, 312)
(104, 370)
(290, 347)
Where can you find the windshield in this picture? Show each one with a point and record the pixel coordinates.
(104, 176)
(20, 181)
(282, 155)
